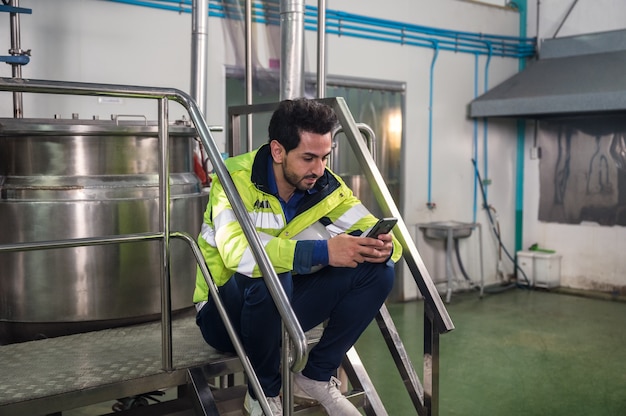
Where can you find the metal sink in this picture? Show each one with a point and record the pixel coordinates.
(439, 230)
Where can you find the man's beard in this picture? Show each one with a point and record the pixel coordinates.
(296, 181)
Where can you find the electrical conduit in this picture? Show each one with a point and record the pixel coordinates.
(429, 203)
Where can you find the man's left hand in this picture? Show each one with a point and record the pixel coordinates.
(383, 250)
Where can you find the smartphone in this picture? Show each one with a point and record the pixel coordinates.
(383, 226)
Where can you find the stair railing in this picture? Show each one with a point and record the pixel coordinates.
(436, 318)
(163, 95)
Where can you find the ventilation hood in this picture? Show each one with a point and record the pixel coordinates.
(574, 77)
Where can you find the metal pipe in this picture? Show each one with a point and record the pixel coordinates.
(370, 138)
(16, 69)
(368, 134)
(248, 73)
(288, 400)
(521, 147)
(292, 50)
(79, 242)
(565, 18)
(199, 53)
(486, 177)
(431, 362)
(430, 204)
(321, 48)
(537, 17)
(164, 199)
(475, 142)
(401, 358)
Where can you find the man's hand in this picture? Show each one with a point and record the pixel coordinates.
(345, 250)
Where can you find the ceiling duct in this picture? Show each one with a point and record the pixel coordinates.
(575, 77)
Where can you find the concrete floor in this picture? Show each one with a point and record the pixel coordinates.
(519, 352)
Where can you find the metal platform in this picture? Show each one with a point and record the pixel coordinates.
(56, 374)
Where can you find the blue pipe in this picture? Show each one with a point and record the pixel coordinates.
(521, 136)
(485, 137)
(156, 5)
(430, 204)
(456, 45)
(367, 28)
(475, 142)
(413, 27)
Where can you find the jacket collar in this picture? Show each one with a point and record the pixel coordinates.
(260, 168)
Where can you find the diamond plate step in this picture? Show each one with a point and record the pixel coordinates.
(56, 374)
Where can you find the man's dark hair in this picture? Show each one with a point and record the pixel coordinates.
(295, 116)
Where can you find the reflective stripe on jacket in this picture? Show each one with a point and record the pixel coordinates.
(223, 244)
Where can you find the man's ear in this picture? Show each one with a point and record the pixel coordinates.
(277, 150)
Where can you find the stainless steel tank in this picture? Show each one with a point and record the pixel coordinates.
(63, 179)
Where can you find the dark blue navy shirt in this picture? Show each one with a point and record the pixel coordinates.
(308, 252)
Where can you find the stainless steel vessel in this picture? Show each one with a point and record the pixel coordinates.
(62, 179)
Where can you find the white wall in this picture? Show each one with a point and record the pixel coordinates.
(586, 16)
(452, 132)
(104, 42)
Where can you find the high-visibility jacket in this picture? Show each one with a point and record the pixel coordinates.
(223, 244)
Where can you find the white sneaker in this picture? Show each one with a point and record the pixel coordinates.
(326, 393)
(252, 407)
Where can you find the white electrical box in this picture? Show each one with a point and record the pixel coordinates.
(541, 269)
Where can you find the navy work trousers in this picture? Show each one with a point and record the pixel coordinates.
(348, 298)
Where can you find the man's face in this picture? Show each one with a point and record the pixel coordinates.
(304, 165)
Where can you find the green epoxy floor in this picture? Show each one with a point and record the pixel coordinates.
(519, 352)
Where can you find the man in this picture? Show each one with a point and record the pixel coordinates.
(287, 189)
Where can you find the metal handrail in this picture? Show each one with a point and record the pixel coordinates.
(368, 134)
(385, 201)
(138, 237)
(243, 357)
(297, 336)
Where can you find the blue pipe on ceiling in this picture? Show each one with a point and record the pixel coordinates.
(348, 24)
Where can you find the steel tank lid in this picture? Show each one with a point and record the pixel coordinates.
(118, 124)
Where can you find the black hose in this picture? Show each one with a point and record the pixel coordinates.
(463, 272)
(497, 233)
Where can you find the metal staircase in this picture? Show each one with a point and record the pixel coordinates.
(57, 374)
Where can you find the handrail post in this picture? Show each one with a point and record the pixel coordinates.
(164, 220)
(230, 329)
(431, 363)
(287, 375)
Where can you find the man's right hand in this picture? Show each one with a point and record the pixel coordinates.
(345, 250)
